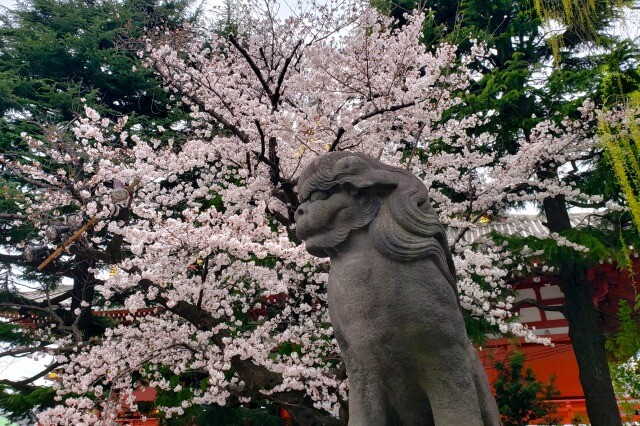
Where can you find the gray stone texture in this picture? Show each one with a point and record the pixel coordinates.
(392, 295)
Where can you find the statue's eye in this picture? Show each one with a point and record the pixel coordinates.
(319, 195)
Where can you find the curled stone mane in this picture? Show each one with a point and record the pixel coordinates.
(406, 227)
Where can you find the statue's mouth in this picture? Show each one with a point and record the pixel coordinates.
(306, 234)
(308, 237)
(302, 235)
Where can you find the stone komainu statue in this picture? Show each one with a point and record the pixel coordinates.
(392, 295)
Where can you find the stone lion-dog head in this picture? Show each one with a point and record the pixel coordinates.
(341, 192)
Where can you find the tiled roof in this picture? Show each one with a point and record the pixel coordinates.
(41, 296)
(515, 225)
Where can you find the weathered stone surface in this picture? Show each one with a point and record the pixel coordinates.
(392, 295)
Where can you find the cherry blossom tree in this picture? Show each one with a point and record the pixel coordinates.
(197, 220)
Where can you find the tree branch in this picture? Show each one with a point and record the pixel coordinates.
(586, 205)
(337, 139)
(92, 253)
(285, 186)
(366, 116)
(25, 382)
(59, 298)
(277, 93)
(381, 111)
(21, 351)
(219, 118)
(12, 216)
(253, 66)
(263, 146)
(34, 182)
(538, 305)
(201, 319)
(12, 258)
(19, 305)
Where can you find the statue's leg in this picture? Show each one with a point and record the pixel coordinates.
(439, 346)
(449, 381)
(367, 405)
(408, 401)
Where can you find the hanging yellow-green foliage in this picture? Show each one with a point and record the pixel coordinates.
(583, 18)
(622, 147)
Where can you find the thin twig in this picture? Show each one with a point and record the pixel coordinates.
(538, 305)
(366, 116)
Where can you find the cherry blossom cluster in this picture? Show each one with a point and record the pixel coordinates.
(206, 228)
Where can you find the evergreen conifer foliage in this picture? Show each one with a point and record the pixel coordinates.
(56, 57)
(520, 397)
(57, 52)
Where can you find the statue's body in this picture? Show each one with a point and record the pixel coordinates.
(392, 297)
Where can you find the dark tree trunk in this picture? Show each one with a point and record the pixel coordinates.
(585, 333)
(83, 291)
